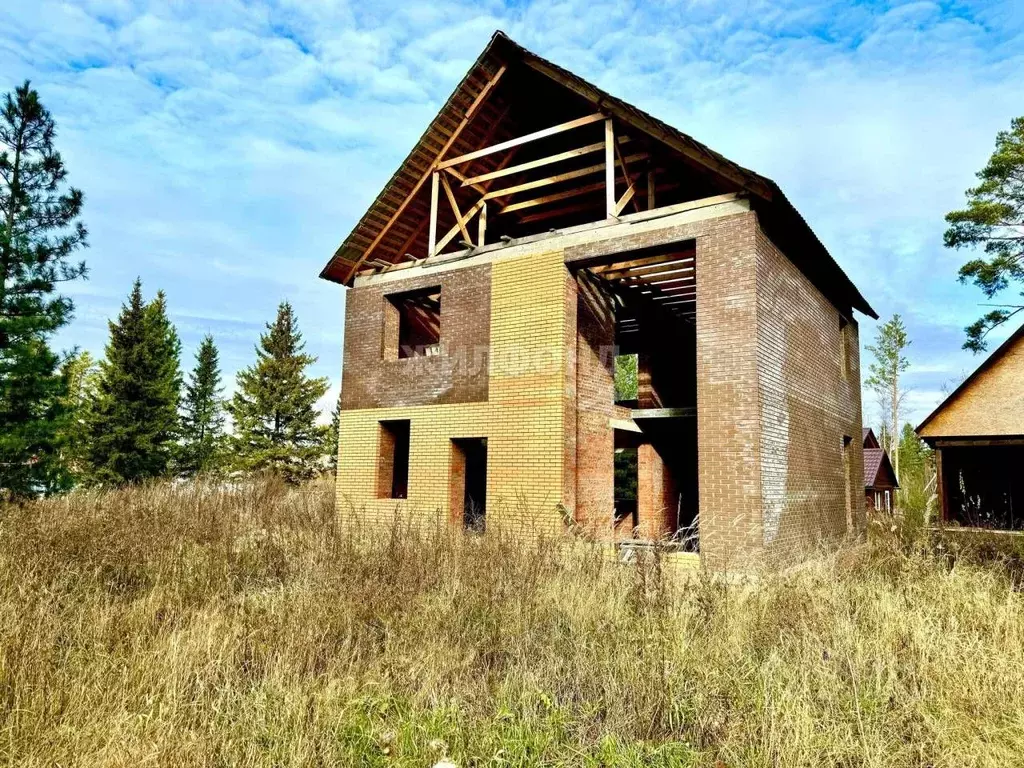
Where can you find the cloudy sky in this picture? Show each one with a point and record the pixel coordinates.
(226, 147)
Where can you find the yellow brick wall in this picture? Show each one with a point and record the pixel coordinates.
(992, 404)
(523, 419)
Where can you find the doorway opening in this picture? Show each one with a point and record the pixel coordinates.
(469, 482)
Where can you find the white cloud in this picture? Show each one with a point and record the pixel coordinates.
(226, 148)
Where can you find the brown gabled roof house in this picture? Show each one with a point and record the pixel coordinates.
(880, 482)
(978, 436)
(540, 231)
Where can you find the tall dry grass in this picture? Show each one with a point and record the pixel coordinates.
(195, 626)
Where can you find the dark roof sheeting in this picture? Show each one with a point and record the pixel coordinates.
(806, 251)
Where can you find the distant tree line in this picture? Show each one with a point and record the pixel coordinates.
(132, 416)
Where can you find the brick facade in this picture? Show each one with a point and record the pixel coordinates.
(374, 377)
(774, 395)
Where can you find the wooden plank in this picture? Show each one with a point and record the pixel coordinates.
(470, 113)
(455, 207)
(630, 180)
(482, 227)
(413, 238)
(464, 181)
(541, 162)
(690, 205)
(609, 168)
(624, 200)
(590, 170)
(646, 261)
(544, 133)
(554, 196)
(455, 230)
(650, 190)
(663, 413)
(432, 237)
(655, 272)
(554, 212)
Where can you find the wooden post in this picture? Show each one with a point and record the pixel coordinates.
(650, 190)
(432, 239)
(482, 227)
(940, 486)
(609, 167)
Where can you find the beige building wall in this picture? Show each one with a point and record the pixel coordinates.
(991, 404)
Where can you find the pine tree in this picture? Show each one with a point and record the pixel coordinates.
(134, 424)
(274, 406)
(39, 231)
(994, 221)
(202, 422)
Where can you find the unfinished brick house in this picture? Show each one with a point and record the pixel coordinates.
(539, 230)
(978, 437)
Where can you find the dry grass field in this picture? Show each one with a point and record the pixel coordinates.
(193, 626)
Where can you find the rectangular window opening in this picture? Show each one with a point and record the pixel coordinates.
(626, 484)
(627, 370)
(412, 324)
(469, 482)
(393, 460)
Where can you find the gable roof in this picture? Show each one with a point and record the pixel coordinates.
(988, 363)
(869, 439)
(877, 466)
(457, 130)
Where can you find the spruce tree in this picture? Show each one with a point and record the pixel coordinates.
(333, 434)
(202, 421)
(81, 381)
(274, 406)
(134, 423)
(39, 232)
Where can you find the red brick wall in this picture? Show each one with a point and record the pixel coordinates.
(809, 402)
(459, 375)
(595, 396)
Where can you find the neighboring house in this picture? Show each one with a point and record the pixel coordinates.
(879, 477)
(978, 437)
(539, 228)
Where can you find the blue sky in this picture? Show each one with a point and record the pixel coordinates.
(226, 148)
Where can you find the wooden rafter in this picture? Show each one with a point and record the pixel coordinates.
(568, 126)
(695, 154)
(555, 212)
(556, 179)
(574, 192)
(540, 162)
(452, 138)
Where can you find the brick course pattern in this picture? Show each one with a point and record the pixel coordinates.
(373, 377)
(523, 418)
(776, 395)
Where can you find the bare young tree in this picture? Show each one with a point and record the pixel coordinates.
(891, 341)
